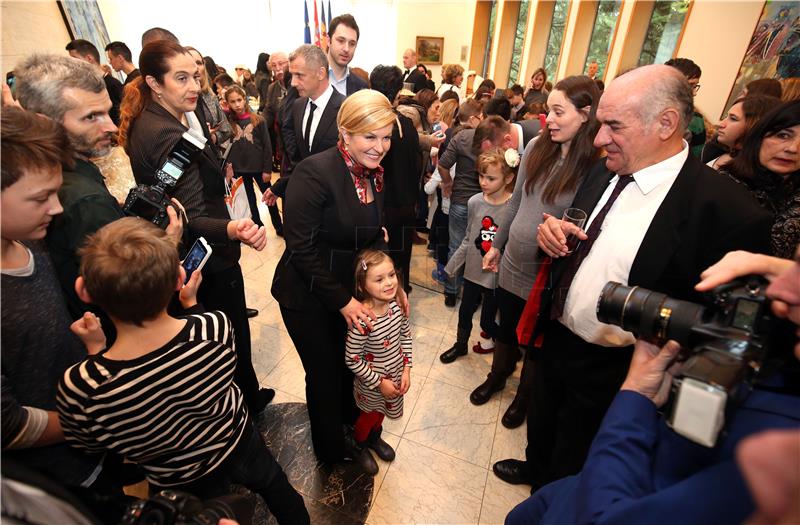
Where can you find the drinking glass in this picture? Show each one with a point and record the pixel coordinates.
(577, 217)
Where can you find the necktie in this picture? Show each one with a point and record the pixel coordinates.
(405, 74)
(580, 253)
(307, 134)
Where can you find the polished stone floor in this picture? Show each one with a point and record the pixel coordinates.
(445, 445)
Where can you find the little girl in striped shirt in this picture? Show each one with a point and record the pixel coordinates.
(381, 357)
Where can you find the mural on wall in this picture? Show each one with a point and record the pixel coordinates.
(84, 20)
(774, 49)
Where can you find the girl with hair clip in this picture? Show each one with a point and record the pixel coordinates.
(552, 168)
(496, 172)
(250, 153)
(158, 109)
(769, 165)
(381, 358)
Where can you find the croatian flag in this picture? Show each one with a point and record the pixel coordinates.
(307, 37)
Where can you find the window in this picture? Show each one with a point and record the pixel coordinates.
(489, 37)
(519, 41)
(666, 24)
(557, 27)
(605, 22)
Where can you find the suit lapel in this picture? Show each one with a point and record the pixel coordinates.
(327, 119)
(662, 238)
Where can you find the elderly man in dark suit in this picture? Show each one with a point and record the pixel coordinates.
(412, 75)
(657, 218)
(309, 125)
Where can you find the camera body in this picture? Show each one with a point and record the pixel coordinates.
(172, 507)
(151, 202)
(723, 345)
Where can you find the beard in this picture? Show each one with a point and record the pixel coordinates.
(84, 146)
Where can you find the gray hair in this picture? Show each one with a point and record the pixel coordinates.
(42, 79)
(313, 56)
(668, 91)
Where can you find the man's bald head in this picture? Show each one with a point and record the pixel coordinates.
(409, 58)
(643, 115)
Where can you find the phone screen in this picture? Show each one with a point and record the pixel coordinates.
(194, 259)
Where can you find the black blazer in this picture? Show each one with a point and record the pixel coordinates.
(326, 135)
(703, 217)
(354, 83)
(325, 226)
(417, 78)
(402, 165)
(201, 189)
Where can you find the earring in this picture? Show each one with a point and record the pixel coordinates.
(159, 95)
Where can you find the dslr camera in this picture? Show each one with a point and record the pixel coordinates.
(172, 507)
(724, 345)
(150, 202)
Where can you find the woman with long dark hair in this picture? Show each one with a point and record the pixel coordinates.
(552, 168)
(158, 108)
(741, 118)
(769, 165)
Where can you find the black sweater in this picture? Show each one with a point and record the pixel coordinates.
(251, 150)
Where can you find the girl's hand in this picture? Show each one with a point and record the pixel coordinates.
(405, 381)
(269, 198)
(491, 259)
(88, 329)
(355, 311)
(388, 388)
(402, 301)
(266, 177)
(229, 172)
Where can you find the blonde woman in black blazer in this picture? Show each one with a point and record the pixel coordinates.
(334, 209)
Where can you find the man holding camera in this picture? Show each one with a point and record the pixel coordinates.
(639, 469)
(657, 219)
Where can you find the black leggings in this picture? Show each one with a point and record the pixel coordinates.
(469, 300)
(274, 214)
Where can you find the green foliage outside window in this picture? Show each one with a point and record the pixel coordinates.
(604, 23)
(557, 28)
(663, 32)
(519, 41)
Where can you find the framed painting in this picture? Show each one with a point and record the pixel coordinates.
(774, 49)
(84, 20)
(430, 50)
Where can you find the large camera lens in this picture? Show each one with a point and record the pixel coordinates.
(649, 315)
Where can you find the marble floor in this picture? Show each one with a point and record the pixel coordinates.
(445, 445)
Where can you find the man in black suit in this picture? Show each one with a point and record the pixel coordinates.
(344, 34)
(657, 219)
(412, 75)
(309, 125)
(86, 51)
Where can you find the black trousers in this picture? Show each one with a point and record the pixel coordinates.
(471, 294)
(574, 384)
(319, 338)
(400, 226)
(274, 214)
(439, 238)
(251, 464)
(506, 355)
(224, 291)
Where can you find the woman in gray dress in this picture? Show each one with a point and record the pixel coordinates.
(552, 168)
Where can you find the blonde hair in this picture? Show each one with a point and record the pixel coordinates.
(364, 112)
(496, 157)
(366, 260)
(448, 111)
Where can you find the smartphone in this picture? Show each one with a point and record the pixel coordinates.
(196, 258)
(437, 129)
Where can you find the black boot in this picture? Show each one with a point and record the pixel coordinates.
(518, 409)
(357, 453)
(487, 389)
(458, 349)
(383, 449)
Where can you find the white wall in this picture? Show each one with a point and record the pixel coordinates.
(716, 38)
(29, 27)
(259, 26)
(451, 19)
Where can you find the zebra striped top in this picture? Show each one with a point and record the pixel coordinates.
(174, 411)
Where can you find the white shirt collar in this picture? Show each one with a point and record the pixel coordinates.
(322, 100)
(520, 139)
(653, 176)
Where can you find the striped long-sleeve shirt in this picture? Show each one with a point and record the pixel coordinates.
(382, 353)
(174, 411)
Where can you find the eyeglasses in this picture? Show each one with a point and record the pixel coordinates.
(695, 88)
